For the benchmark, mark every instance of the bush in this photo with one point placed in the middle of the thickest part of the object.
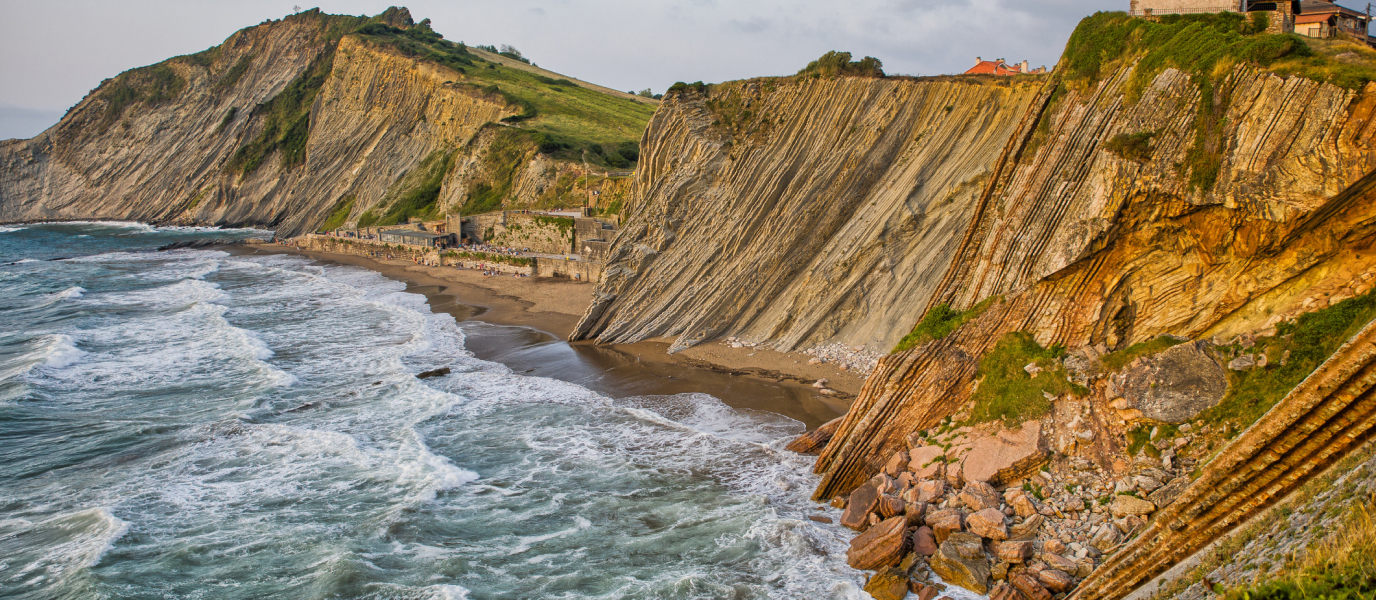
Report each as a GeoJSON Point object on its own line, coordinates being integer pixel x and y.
{"type": "Point", "coordinates": [839, 64]}
{"type": "Point", "coordinates": [1135, 147]}
{"type": "Point", "coordinates": [696, 87]}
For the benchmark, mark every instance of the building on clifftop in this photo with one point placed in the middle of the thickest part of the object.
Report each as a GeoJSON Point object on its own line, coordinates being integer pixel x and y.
{"type": "Point", "coordinates": [999, 67]}
{"type": "Point", "coordinates": [1312, 18]}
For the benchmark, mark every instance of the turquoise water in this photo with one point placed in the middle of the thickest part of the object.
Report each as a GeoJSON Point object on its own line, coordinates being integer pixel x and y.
{"type": "Point", "coordinates": [196, 424]}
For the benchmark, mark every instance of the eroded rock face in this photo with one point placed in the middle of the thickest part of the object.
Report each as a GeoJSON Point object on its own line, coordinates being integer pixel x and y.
{"type": "Point", "coordinates": [814, 441]}
{"type": "Point", "coordinates": [1175, 385]}
{"type": "Point", "coordinates": [829, 216]}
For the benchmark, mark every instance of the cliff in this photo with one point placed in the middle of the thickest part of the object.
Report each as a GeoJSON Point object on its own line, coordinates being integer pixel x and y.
{"type": "Point", "coordinates": [1147, 193]}
{"type": "Point", "coordinates": [313, 118]}
{"type": "Point", "coordinates": [796, 211]}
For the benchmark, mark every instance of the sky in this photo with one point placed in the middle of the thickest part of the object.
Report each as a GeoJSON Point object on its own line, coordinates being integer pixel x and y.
{"type": "Point", "coordinates": [53, 53]}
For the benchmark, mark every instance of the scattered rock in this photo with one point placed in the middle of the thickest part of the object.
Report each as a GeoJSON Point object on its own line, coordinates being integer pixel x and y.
{"type": "Point", "coordinates": [979, 495]}
{"type": "Point", "coordinates": [1175, 385]}
{"type": "Point", "coordinates": [931, 491]}
{"type": "Point", "coordinates": [1022, 502]}
{"type": "Point", "coordinates": [1032, 369]}
{"type": "Point", "coordinates": [862, 501]}
{"type": "Point", "coordinates": [820, 519]}
{"type": "Point", "coordinates": [924, 542]}
{"type": "Point", "coordinates": [1030, 587]}
{"type": "Point", "coordinates": [1004, 591]}
{"type": "Point", "coordinates": [441, 372]}
{"type": "Point", "coordinates": [1243, 363]}
{"type": "Point", "coordinates": [888, 584]}
{"type": "Point", "coordinates": [1055, 580]}
{"type": "Point", "coordinates": [987, 523]}
{"type": "Point", "coordinates": [1027, 529]}
{"type": "Point", "coordinates": [1056, 561]}
{"type": "Point", "coordinates": [897, 464]}
{"type": "Point", "coordinates": [1124, 505]}
{"type": "Point", "coordinates": [879, 546]}
{"type": "Point", "coordinates": [960, 561]}
{"type": "Point", "coordinates": [1004, 456]}
{"type": "Point", "coordinates": [1016, 552]}
{"type": "Point", "coordinates": [924, 461]}
{"type": "Point", "coordinates": [944, 522]}
{"type": "Point", "coordinates": [890, 506]}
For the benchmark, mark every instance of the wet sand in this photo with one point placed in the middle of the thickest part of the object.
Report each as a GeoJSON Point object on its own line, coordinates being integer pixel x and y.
{"type": "Point", "coordinates": [523, 323]}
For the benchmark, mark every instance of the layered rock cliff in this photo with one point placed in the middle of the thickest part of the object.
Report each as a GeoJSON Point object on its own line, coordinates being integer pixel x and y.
{"type": "Point", "coordinates": [796, 211]}
{"type": "Point", "coordinates": [294, 121]}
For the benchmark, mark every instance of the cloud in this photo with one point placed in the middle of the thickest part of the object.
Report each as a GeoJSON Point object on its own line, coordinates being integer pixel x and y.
{"type": "Point", "coordinates": [537, 10]}
{"type": "Point", "coordinates": [754, 25]}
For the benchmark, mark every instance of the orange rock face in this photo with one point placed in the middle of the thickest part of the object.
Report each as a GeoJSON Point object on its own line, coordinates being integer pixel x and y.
{"type": "Point", "coordinates": [880, 546]}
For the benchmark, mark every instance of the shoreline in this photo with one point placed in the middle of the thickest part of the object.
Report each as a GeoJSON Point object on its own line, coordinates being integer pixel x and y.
{"type": "Point", "coordinates": [752, 378]}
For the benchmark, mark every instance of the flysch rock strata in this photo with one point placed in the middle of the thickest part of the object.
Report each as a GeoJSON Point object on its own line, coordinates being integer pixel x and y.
{"type": "Point", "coordinates": [1088, 249]}
{"type": "Point", "coordinates": [827, 216]}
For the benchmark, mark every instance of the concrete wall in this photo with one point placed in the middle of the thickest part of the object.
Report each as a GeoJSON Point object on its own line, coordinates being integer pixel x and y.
{"type": "Point", "coordinates": [569, 269]}
{"type": "Point", "coordinates": [1174, 7]}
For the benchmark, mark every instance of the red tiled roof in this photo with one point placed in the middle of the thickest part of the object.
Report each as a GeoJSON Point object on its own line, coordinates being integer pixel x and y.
{"type": "Point", "coordinates": [994, 67]}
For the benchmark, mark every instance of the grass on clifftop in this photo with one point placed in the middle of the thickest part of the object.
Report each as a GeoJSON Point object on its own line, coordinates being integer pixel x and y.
{"type": "Point", "coordinates": [561, 118]}
{"type": "Point", "coordinates": [1303, 345]}
{"type": "Point", "coordinates": [1007, 392]}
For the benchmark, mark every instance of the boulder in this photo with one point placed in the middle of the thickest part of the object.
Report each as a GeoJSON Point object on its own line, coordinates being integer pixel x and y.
{"type": "Point", "coordinates": [862, 501]}
{"type": "Point", "coordinates": [1027, 529]}
{"type": "Point", "coordinates": [924, 461]}
{"type": "Point", "coordinates": [890, 506]}
{"type": "Point", "coordinates": [979, 495]}
{"type": "Point", "coordinates": [1056, 580]}
{"type": "Point", "coordinates": [914, 511]}
{"type": "Point", "coordinates": [926, 592]}
{"type": "Point", "coordinates": [931, 491]}
{"type": "Point", "coordinates": [1175, 385]}
{"type": "Point", "coordinates": [960, 561]}
{"type": "Point", "coordinates": [897, 464]}
{"type": "Point", "coordinates": [1030, 587]}
{"type": "Point", "coordinates": [813, 442]}
{"type": "Point", "coordinates": [1107, 538]}
{"type": "Point", "coordinates": [1243, 363]}
{"type": "Point", "coordinates": [1056, 561]}
{"type": "Point", "coordinates": [1004, 456]}
{"type": "Point", "coordinates": [954, 475]}
{"type": "Point", "coordinates": [987, 523]}
{"type": "Point", "coordinates": [1023, 504]}
{"type": "Point", "coordinates": [1014, 551]}
{"type": "Point", "coordinates": [924, 542]}
{"type": "Point", "coordinates": [879, 546]}
{"type": "Point", "coordinates": [888, 584]}
{"type": "Point", "coordinates": [1004, 591]}
{"type": "Point", "coordinates": [820, 519]}
{"type": "Point", "coordinates": [1169, 492]}
{"type": "Point", "coordinates": [1124, 505]}
{"type": "Point", "coordinates": [944, 522]}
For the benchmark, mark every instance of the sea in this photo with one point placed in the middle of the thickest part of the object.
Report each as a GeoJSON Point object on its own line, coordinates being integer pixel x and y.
{"type": "Point", "coordinates": [205, 423]}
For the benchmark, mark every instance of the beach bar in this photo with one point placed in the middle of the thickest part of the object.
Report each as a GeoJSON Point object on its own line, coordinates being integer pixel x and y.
{"type": "Point", "coordinates": [418, 238]}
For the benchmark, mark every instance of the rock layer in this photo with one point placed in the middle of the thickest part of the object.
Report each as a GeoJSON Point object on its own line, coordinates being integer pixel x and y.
{"type": "Point", "coordinates": [799, 211]}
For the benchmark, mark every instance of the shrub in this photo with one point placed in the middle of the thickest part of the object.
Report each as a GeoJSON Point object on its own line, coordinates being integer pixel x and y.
{"type": "Point", "coordinates": [340, 214]}
{"type": "Point", "coordinates": [1135, 147]}
{"type": "Point", "coordinates": [229, 118]}
{"type": "Point", "coordinates": [234, 74]}
{"type": "Point", "coordinates": [696, 87]}
{"type": "Point", "coordinates": [839, 64]}
{"type": "Point", "coordinates": [286, 126]}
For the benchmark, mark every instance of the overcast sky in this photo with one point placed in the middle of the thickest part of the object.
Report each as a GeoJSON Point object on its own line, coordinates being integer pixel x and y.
{"type": "Point", "coordinates": [52, 53]}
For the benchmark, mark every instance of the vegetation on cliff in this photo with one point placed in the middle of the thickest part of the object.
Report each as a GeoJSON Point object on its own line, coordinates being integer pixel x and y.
{"type": "Point", "coordinates": [1297, 348]}
{"type": "Point", "coordinates": [155, 84]}
{"type": "Point", "coordinates": [557, 116]}
{"type": "Point", "coordinates": [1342, 567]}
{"type": "Point", "coordinates": [939, 322]}
{"type": "Point", "coordinates": [1008, 392]}
{"type": "Point", "coordinates": [839, 64]}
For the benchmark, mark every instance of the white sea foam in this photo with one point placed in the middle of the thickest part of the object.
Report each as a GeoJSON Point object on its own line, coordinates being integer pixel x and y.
{"type": "Point", "coordinates": [61, 352]}
{"type": "Point", "coordinates": [8, 229]}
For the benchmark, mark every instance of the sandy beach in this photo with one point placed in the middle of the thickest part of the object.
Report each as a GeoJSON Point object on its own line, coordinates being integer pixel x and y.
{"type": "Point", "coordinates": [753, 378]}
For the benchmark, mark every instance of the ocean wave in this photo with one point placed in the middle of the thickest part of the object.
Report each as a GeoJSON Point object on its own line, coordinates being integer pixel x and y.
{"type": "Point", "coordinates": [69, 542]}
{"type": "Point", "coordinates": [5, 229]}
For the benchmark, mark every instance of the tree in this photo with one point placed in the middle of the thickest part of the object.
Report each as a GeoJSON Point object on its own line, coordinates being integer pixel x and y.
{"type": "Point", "coordinates": [646, 93]}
